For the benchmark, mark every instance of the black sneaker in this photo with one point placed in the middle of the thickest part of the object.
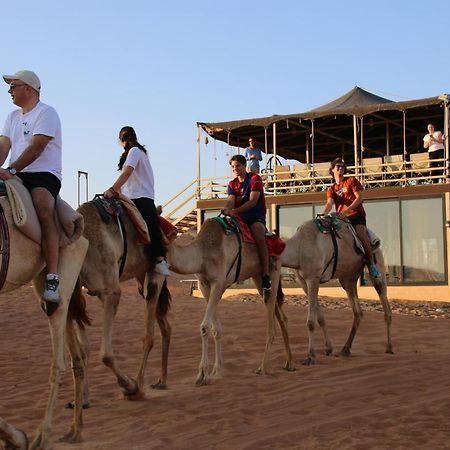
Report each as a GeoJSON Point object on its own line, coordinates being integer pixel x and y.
{"type": "Point", "coordinates": [266, 284]}
{"type": "Point", "coordinates": [51, 292]}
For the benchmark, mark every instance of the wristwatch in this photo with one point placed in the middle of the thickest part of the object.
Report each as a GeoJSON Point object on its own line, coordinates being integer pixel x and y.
{"type": "Point", "coordinates": [11, 170]}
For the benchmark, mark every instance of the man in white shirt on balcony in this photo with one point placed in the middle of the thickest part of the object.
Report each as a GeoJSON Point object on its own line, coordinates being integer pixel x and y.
{"type": "Point", "coordinates": [434, 142]}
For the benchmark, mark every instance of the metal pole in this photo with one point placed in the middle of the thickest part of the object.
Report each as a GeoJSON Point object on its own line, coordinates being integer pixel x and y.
{"type": "Point", "coordinates": [274, 141]}
{"type": "Point", "coordinates": [198, 163]}
{"type": "Point", "coordinates": [355, 144]}
{"type": "Point", "coordinates": [85, 175]}
{"type": "Point", "coordinates": [446, 141]}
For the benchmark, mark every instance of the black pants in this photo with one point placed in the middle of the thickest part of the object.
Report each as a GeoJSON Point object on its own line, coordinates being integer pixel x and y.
{"type": "Point", "coordinates": [146, 207]}
{"type": "Point", "coordinates": [437, 154]}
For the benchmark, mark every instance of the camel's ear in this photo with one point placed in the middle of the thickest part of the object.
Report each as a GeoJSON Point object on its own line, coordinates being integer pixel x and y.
{"type": "Point", "coordinates": [159, 210]}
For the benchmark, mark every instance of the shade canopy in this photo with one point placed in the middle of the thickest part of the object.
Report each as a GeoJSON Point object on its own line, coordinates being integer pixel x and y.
{"type": "Point", "coordinates": [383, 127]}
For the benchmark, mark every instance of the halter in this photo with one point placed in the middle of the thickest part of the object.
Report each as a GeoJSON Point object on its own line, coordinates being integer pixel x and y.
{"type": "Point", "coordinates": [4, 247]}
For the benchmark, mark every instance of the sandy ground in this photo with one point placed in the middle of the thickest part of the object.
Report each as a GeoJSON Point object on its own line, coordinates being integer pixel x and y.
{"type": "Point", "coordinates": [371, 400]}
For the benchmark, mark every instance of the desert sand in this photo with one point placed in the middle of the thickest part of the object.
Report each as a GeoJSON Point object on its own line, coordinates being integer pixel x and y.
{"type": "Point", "coordinates": [371, 400]}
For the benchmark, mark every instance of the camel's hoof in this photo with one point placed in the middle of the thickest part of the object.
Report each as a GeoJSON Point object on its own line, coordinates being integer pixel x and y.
{"type": "Point", "coordinates": [159, 385]}
{"type": "Point", "coordinates": [260, 371]}
{"type": "Point", "coordinates": [135, 396]}
{"type": "Point", "coordinates": [308, 361]}
{"type": "Point", "coordinates": [71, 438]}
{"type": "Point", "coordinates": [289, 367]}
{"type": "Point", "coordinates": [345, 352]}
{"type": "Point", "coordinates": [71, 405]}
{"type": "Point", "coordinates": [390, 351]}
{"type": "Point", "coordinates": [329, 352]}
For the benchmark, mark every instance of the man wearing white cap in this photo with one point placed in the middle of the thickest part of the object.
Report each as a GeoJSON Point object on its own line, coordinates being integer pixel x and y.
{"type": "Point", "coordinates": [33, 136]}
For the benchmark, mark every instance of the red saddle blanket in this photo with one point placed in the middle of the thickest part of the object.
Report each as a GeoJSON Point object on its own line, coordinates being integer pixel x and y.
{"type": "Point", "coordinates": [275, 244]}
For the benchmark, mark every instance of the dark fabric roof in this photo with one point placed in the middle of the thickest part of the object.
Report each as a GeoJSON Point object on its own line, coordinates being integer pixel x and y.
{"type": "Point", "coordinates": [333, 126]}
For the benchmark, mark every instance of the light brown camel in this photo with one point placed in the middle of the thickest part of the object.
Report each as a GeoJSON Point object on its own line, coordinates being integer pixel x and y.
{"type": "Point", "coordinates": [100, 275]}
{"type": "Point", "coordinates": [212, 256]}
{"type": "Point", "coordinates": [311, 252]}
{"type": "Point", "coordinates": [26, 264]}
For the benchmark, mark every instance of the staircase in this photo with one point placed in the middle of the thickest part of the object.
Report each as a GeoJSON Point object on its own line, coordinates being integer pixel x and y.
{"type": "Point", "coordinates": [186, 222]}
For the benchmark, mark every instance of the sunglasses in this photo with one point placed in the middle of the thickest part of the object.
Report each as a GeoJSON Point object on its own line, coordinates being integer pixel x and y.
{"type": "Point", "coordinates": [13, 86]}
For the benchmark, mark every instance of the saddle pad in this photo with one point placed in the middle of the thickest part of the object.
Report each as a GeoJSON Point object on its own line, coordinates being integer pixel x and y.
{"type": "Point", "coordinates": [327, 224]}
{"type": "Point", "coordinates": [373, 238]}
{"type": "Point", "coordinates": [70, 223]}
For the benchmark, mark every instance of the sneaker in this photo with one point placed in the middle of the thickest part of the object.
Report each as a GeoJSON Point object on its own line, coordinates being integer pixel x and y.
{"type": "Point", "coordinates": [162, 267]}
{"type": "Point", "coordinates": [51, 292]}
{"type": "Point", "coordinates": [266, 284]}
{"type": "Point", "coordinates": [374, 271]}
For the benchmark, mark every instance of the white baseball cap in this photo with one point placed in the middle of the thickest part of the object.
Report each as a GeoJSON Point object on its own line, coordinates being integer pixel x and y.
{"type": "Point", "coordinates": [27, 76]}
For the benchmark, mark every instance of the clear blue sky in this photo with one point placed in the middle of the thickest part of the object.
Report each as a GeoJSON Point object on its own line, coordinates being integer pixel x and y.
{"type": "Point", "coordinates": [163, 66]}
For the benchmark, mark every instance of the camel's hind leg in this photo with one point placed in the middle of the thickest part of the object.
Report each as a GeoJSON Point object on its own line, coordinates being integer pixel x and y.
{"type": "Point", "coordinates": [283, 322]}
{"type": "Point", "coordinates": [352, 295]}
{"type": "Point", "coordinates": [152, 289]}
{"type": "Point", "coordinates": [269, 298]}
{"type": "Point", "coordinates": [212, 294]}
{"type": "Point", "coordinates": [381, 288]}
{"type": "Point", "coordinates": [79, 357]}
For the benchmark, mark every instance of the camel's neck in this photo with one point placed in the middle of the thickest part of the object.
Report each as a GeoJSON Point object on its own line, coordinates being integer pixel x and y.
{"type": "Point", "coordinates": [185, 258]}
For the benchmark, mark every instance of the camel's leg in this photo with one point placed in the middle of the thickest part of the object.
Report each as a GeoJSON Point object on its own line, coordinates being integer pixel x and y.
{"type": "Point", "coordinates": [110, 302]}
{"type": "Point", "coordinates": [381, 288]}
{"type": "Point", "coordinates": [216, 329]}
{"type": "Point", "coordinates": [314, 313]}
{"type": "Point", "coordinates": [212, 293]}
{"type": "Point", "coordinates": [78, 356]}
{"type": "Point", "coordinates": [352, 295]}
{"type": "Point", "coordinates": [283, 321]}
{"type": "Point", "coordinates": [69, 265]}
{"type": "Point", "coordinates": [152, 290]}
{"type": "Point", "coordinates": [166, 332]}
{"type": "Point", "coordinates": [270, 301]}
{"type": "Point", "coordinates": [320, 320]}
{"type": "Point", "coordinates": [14, 439]}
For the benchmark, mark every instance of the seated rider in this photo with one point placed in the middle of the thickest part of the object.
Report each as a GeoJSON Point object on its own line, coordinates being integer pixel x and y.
{"type": "Point", "coordinates": [346, 194]}
{"type": "Point", "coordinates": [246, 200]}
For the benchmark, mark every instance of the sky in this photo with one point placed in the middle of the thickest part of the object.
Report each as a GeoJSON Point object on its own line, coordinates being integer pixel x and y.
{"type": "Point", "coordinates": [163, 66]}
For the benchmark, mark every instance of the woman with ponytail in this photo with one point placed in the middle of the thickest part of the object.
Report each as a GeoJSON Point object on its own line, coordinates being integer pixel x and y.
{"type": "Point", "coordinates": [136, 181]}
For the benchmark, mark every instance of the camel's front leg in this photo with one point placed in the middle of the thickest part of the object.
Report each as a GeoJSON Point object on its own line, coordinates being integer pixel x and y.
{"type": "Point", "coordinates": [212, 293]}
{"type": "Point", "coordinates": [352, 295]}
{"type": "Point", "coordinates": [14, 439]}
{"type": "Point", "coordinates": [216, 371]}
{"type": "Point", "coordinates": [70, 260]}
{"type": "Point", "coordinates": [110, 304]}
{"type": "Point", "coordinates": [312, 287]}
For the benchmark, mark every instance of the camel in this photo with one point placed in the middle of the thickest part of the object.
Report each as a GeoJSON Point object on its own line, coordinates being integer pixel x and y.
{"type": "Point", "coordinates": [212, 256]}
{"type": "Point", "coordinates": [26, 264]}
{"type": "Point", "coordinates": [310, 253]}
{"type": "Point", "coordinates": [100, 276]}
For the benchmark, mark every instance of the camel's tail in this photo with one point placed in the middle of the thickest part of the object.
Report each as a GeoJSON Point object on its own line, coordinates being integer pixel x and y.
{"type": "Point", "coordinates": [164, 300]}
{"type": "Point", "coordinates": [77, 307]}
{"type": "Point", "coordinates": [280, 294]}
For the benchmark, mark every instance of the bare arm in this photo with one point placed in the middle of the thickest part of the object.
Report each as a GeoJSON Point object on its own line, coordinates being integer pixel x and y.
{"type": "Point", "coordinates": [32, 152]}
{"type": "Point", "coordinates": [328, 207]}
{"type": "Point", "coordinates": [5, 145]}
{"type": "Point", "coordinates": [123, 177]}
{"type": "Point", "coordinates": [358, 200]}
{"type": "Point", "coordinates": [251, 203]}
{"type": "Point", "coordinates": [231, 201]}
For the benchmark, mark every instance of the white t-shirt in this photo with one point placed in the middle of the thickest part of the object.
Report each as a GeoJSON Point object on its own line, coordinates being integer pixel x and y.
{"type": "Point", "coordinates": [436, 146]}
{"type": "Point", "coordinates": [20, 128]}
{"type": "Point", "coordinates": [141, 181]}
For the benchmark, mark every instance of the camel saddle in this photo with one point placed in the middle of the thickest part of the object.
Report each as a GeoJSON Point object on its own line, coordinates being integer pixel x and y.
{"type": "Point", "coordinates": [235, 225]}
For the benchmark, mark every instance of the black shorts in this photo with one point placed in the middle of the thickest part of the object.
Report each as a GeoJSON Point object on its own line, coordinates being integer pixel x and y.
{"type": "Point", "coordinates": [250, 222]}
{"type": "Point", "coordinates": [44, 180]}
{"type": "Point", "coordinates": [357, 219]}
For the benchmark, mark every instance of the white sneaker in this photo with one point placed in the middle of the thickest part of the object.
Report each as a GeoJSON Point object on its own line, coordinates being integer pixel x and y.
{"type": "Point", "coordinates": [51, 292]}
{"type": "Point", "coordinates": [162, 267]}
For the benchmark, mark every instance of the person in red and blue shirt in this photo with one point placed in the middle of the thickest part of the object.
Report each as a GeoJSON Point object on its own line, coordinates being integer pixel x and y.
{"type": "Point", "coordinates": [246, 200]}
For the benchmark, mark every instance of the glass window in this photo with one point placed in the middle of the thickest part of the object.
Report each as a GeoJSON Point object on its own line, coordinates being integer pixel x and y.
{"type": "Point", "coordinates": [210, 213]}
{"type": "Point", "coordinates": [291, 217]}
{"type": "Point", "coordinates": [423, 240]}
{"type": "Point", "coordinates": [383, 218]}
